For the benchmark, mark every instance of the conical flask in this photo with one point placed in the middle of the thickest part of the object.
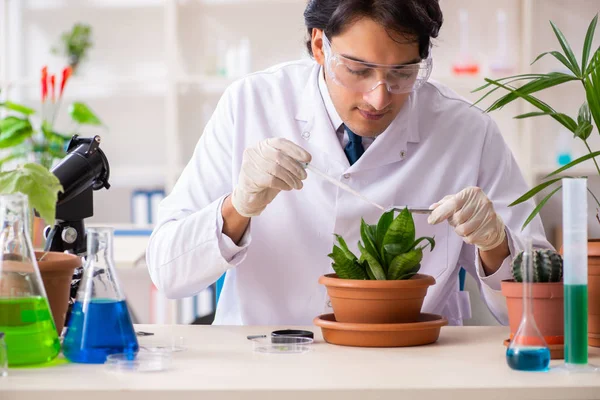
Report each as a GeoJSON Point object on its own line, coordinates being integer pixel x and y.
{"type": "Point", "coordinates": [25, 315]}
{"type": "Point", "coordinates": [100, 323]}
{"type": "Point", "coordinates": [528, 350]}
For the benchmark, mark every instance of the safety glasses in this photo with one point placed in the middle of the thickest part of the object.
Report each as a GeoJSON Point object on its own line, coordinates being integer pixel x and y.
{"type": "Point", "coordinates": [364, 77]}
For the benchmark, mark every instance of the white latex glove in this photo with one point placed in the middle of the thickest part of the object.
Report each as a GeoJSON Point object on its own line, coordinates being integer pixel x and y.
{"type": "Point", "coordinates": [472, 215]}
{"type": "Point", "coordinates": [270, 167]}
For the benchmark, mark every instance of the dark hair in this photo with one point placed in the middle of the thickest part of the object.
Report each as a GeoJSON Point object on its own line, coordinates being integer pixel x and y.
{"type": "Point", "coordinates": [420, 18]}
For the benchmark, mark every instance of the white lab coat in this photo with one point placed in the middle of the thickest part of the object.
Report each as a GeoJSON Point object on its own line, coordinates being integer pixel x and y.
{"type": "Point", "coordinates": [437, 145]}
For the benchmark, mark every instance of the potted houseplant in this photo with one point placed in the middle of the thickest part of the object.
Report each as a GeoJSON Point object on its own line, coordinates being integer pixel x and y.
{"type": "Point", "coordinates": [546, 297]}
{"type": "Point", "coordinates": [29, 136]}
{"type": "Point", "coordinates": [34, 145]}
{"type": "Point", "coordinates": [383, 284]}
{"type": "Point", "coordinates": [75, 44]}
{"type": "Point", "coordinates": [56, 269]}
{"type": "Point", "coordinates": [587, 73]}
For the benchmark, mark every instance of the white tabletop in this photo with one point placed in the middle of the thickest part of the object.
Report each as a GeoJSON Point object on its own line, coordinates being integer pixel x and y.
{"type": "Point", "coordinates": [219, 363]}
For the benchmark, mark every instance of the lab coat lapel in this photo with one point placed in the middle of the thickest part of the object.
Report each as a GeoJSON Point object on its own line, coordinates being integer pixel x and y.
{"type": "Point", "coordinates": [391, 146]}
{"type": "Point", "coordinates": [317, 129]}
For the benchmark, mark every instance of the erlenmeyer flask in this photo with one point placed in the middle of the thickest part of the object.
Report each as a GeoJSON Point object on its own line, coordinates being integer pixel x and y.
{"type": "Point", "coordinates": [25, 316]}
{"type": "Point", "coordinates": [100, 324]}
{"type": "Point", "coordinates": [528, 350]}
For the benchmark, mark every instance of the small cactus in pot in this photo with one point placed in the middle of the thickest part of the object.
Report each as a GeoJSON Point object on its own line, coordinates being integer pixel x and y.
{"type": "Point", "coordinates": [546, 297]}
{"type": "Point", "coordinates": [547, 266]}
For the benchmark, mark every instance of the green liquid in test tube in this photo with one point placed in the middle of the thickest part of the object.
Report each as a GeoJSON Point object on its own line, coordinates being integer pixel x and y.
{"type": "Point", "coordinates": [575, 275]}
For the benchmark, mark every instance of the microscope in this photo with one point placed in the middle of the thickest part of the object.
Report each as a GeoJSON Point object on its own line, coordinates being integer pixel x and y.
{"type": "Point", "coordinates": [84, 170]}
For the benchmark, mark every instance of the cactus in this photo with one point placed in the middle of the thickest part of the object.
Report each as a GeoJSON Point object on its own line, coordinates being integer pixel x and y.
{"type": "Point", "coordinates": [547, 266]}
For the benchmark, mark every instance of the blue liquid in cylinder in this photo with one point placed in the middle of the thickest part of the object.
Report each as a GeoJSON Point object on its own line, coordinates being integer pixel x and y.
{"type": "Point", "coordinates": [104, 328]}
{"type": "Point", "coordinates": [528, 359]}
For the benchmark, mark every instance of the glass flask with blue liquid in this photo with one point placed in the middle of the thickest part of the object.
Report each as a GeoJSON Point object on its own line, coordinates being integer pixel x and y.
{"type": "Point", "coordinates": [528, 350]}
{"type": "Point", "coordinates": [100, 323]}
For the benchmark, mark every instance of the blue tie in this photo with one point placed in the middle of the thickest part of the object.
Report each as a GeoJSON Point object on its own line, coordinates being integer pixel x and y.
{"type": "Point", "coordinates": [354, 149]}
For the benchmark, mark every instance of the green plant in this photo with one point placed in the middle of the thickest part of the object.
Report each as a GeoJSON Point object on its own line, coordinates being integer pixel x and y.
{"type": "Point", "coordinates": [75, 44]}
{"type": "Point", "coordinates": [547, 266]}
{"type": "Point", "coordinates": [25, 138]}
{"type": "Point", "coordinates": [388, 251]}
{"type": "Point", "coordinates": [588, 74]}
{"type": "Point", "coordinates": [36, 182]}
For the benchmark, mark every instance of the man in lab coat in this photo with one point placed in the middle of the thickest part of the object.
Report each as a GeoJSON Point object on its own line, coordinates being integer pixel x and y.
{"type": "Point", "coordinates": [363, 111]}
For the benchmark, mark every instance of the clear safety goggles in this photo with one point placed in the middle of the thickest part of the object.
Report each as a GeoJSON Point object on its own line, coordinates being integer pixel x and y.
{"type": "Point", "coordinates": [365, 77]}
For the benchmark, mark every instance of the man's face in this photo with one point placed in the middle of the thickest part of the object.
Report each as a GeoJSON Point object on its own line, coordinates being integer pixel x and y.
{"type": "Point", "coordinates": [367, 114]}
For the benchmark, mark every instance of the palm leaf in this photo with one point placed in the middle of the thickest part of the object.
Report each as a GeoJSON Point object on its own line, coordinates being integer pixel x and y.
{"type": "Point", "coordinates": [560, 57]}
{"type": "Point", "coordinates": [537, 209]}
{"type": "Point", "coordinates": [572, 125]}
{"type": "Point", "coordinates": [534, 191]}
{"type": "Point", "coordinates": [567, 49]}
{"type": "Point", "coordinates": [587, 44]}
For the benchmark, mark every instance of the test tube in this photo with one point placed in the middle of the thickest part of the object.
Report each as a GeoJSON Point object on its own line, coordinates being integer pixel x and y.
{"type": "Point", "coordinates": [575, 271]}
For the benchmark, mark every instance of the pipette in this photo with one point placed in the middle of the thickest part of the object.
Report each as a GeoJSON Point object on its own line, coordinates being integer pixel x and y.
{"type": "Point", "coordinates": [414, 210]}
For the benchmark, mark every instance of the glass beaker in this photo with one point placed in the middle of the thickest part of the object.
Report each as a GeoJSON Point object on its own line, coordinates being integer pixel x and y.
{"type": "Point", "coordinates": [25, 315]}
{"type": "Point", "coordinates": [528, 350]}
{"type": "Point", "coordinates": [100, 323]}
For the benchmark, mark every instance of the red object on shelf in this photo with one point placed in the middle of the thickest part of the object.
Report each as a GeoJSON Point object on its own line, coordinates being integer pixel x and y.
{"type": "Point", "coordinates": [44, 83]}
{"type": "Point", "coordinates": [469, 69]}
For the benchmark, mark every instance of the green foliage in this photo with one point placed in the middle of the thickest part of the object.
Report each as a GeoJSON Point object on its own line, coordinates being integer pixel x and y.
{"type": "Point", "coordinates": [38, 184]}
{"type": "Point", "coordinates": [388, 251]}
{"type": "Point", "coordinates": [587, 73]}
{"type": "Point", "coordinates": [547, 266]}
{"type": "Point", "coordinates": [75, 44]}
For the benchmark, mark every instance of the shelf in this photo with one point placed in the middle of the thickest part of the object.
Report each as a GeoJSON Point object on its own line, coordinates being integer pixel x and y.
{"type": "Point", "coordinates": [59, 5]}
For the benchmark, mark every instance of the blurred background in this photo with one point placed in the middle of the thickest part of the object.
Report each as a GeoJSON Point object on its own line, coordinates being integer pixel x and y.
{"type": "Point", "coordinates": [152, 72]}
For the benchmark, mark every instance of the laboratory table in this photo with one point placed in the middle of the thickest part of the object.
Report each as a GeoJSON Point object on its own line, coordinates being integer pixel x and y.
{"type": "Point", "coordinates": [219, 362]}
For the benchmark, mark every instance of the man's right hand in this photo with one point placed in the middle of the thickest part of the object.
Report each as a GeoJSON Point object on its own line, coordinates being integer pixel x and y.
{"type": "Point", "coordinates": [270, 167]}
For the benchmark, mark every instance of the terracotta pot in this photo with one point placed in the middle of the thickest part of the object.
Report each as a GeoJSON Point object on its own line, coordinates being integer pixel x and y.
{"type": "Point", "coordinates": [594, 292]}
{"type": "Point", "coordinates": [548, 306]}
{"type": "Point", "coordinates": [377, 302]}
{"type": "Point", "coordinates": [57, 271]}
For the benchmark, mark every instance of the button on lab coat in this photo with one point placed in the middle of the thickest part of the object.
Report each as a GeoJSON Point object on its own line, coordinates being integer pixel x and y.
{"type": "Point", "coordinates": [437, 145]}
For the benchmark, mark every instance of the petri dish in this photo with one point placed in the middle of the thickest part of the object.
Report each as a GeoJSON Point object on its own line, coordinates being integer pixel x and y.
{"type": "Point", "coordinates": [282, 344]}
{"type": "Point", "coordinates": [142, 361]}
{"type": "Point", "coordinates": [173, 344]}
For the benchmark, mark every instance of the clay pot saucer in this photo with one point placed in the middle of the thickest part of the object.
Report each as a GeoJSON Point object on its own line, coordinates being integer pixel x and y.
{"type": "Point", "coordinates": [425, 331]}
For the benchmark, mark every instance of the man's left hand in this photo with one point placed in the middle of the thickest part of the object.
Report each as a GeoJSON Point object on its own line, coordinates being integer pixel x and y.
{"type": "Point", "coordinates": [472, 215]}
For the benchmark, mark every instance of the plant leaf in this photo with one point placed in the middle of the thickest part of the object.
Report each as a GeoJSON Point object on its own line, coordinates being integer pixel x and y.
{"type": "Point", "coordinates": [560, 57]}
{"type": "Point", "coordinates": [36, 182]}
{"type": "Point", "coordinates": [572, 125]}
{"type": "Point", "coordinates": [587, 44]}
{"type": "Point", "coordinates": [383, 225]}
{"type": "Point", "coordinates": [567, 49]}
{"type": "Point", "coordinates": [54, 137]}
{"type": "Point", "coordinates": [592, 89]}
{"type": "Point", "coordinates": [534, 191]}
{"type": "Point", "coordinates": [82, 114]}
{"type": "Point", "coordinates": [419, 240]}
{"type": "Point", "coordinates": [344, 267]}
{"type": "Point", "coordinates": [344, 247]}
{"type": "Point", "coordinates": [537, 209]}
{"type": "Point", "coordinates": [573, 163]}
{"type": "Point", "coordinates": [401, 231]}
{"type": "Point", "coordinates": [372, 264]}
{"type": "Point", "coordinates": [368, 239]}
{"type": "Point", "coordinates": [15, 155]}
{"type": "Point", "coordinates": [532, 100]}
{"type": "Point", "coordinates": [404, 263]}
{"type": "Point", "coordinates": [584, 131]}
{"type": "Point", "coordinates": [18, 108]}
{"type": "Point", "coordinates": [14, 131]}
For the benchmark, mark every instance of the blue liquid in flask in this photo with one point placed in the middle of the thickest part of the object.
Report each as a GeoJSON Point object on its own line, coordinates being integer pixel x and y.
{"type": "Point", "coordinates": [528, 358]}
{"type": "Point", "coordinates": [104, 328]}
